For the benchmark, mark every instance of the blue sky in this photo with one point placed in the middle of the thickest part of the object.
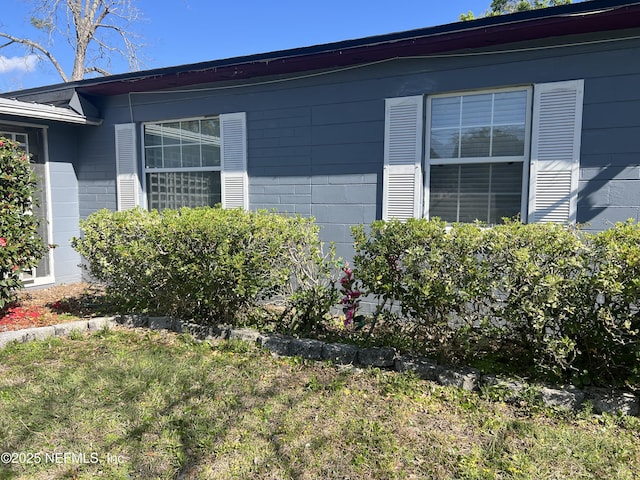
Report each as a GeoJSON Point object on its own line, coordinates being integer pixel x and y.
{"type": "Point", "coordinates": [178, 32]}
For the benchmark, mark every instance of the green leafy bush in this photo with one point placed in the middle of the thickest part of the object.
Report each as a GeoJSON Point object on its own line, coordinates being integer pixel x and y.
{"type": "Point", "coordinates": [122, 249]}
{"type": "Point", "coordinates": [608, 338]}
{"type": "Point", "coordinates": [547, 297]}
{"type": "Point", "coordinates": [426, 273]}
{"type": "Point", "coordinates": [537, 271]}
{"type": "Point", "coordinates": [20, 245]}
{"type": "Point", "coordinates": [207, 264]}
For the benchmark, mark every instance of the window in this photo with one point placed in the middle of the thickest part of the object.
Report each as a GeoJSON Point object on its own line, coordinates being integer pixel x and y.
{"type": "Point", "coordinates": [477, 148]}
{"type": "Point", "coordinates": [186, 163]}
{"type": "Point", "coordinates": [484, 155]}
{"type": "Point", "coordinates": [183, 163]}
{"type": "Point", "coordinates": [475, 191]}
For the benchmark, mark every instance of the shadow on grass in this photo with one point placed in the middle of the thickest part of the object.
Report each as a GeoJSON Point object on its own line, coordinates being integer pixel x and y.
{"type": "Point", "coordinates": [167, 412]}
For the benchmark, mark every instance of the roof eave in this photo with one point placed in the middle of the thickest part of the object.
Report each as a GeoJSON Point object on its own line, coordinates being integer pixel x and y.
{"type": "Point", "coordinates": [38, 111]}
{"type": "Point", "coordinates": [471, 36]}
{"type": "Point", "coordinates": [580, 18]}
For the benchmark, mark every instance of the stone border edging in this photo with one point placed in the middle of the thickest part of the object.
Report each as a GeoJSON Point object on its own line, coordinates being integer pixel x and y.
{"type": "Point", "coordinates": [60, 330]}
{"type": "Point", "coordinates": [603, 400]}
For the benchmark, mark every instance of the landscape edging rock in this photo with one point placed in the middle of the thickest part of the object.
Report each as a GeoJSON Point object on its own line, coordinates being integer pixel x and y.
{"type": "Point", "coordinates": [59, 330]}
{"type": "Point", "coordinates": [572, 398]}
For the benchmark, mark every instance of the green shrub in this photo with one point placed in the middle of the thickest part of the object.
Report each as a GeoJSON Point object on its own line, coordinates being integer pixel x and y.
{"type": "Point", "coordinates": [427, 273]}
{"type": "Point", "coordinates": [536, 272]}
{"type": "Point", "coordinates": [609, 336]}
{"type": "Point", "coordinates": [20, 245]}
{"type": "Point", "coordinates": [206, 264]}
{"type": "Point", "coordinates": [122, 250]}
{"type": "Point", "coordinates": [546, 297]}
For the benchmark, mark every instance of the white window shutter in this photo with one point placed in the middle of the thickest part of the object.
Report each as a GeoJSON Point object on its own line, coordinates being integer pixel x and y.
{"type": "Point", "coordinates": [555, 151]}
{"type": "Point", "coordinates": [403, 140]}
{"type": "Point", "coordinates": [127, 183]}
{"type": "Point", "coordinates": [235, 182]}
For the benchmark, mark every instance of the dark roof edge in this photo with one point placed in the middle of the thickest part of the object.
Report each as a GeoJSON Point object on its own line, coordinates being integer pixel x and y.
{"type": "Point", "coordinates": [480, 25]}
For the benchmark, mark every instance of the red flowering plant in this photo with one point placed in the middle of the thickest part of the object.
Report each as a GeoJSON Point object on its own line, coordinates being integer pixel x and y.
{"type": "Point", "coordinates": [20, 245]}
{"type": "Point", "coordinates": [351, 297]}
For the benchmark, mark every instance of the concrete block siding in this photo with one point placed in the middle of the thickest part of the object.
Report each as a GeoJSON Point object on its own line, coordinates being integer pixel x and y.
{"type": "Point", "coordinates": [65, 219]}
{"type": "Point", "coordinates": [336, 202]}
{"type": "Point", "coordinates": [609, 194]}
{"type": "Point", "coordinates": [323, 161]}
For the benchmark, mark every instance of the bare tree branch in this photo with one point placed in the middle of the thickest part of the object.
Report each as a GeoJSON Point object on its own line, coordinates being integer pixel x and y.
{"type": "Point", "coordinates": [97, 70]}
{"type": "Point", "coordinates": [35, 46]}
{"type": "Point", "coordinates": [96, 31]}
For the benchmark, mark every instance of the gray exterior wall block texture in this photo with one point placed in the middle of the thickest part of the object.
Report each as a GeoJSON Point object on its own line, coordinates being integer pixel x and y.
{"type": "Point", "coordinates": [631, 172]}
{"type": "Point", "coordinates": [64, 203]}
{"type": "Point", "coordinates": [316, 144]}
{"type": "Point", "coordinates": [623, 194]}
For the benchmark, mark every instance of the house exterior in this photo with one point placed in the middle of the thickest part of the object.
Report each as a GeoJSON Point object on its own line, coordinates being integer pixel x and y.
{"type": "Point", "coordinates": [533, 114]}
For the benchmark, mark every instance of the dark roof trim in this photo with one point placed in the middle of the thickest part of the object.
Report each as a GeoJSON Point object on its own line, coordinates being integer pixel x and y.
{"type": "Point", "coordinates": [578, 18]}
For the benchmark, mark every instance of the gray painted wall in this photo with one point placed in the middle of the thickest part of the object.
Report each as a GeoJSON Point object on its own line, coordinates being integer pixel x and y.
{"type": "Point", "coordinates": [63, 185]}
{"type": "Point", "coordinates": [316, 142]}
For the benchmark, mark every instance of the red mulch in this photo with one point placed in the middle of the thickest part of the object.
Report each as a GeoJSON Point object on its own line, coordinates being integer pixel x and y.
{"type": "Point", "coordinates": [51, 306]}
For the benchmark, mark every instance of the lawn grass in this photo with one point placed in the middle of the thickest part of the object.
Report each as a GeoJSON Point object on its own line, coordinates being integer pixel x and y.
{"type": "Point", "coordinates": [144, 404]}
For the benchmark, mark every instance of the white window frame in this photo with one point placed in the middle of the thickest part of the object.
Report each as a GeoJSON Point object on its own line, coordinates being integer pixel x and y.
{"type": "Point", "coordinates": [524, 159]}
{"type": "Point", "coordinates": [554, 154]}
{"type": "Point", "coordinates": [131, 190]}
{"type": "Point", "coordinates": [146, 170]}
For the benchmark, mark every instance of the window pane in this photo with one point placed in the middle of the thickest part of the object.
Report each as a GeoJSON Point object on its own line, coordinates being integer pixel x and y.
{"type": "Point", "coordinates": [443, 196]}
{"type": "Point", "coordinates": [475, 142]}
{"type": "Point", "coordinates": [183, 189]}
{"type": "Point", "coordinates": [476, 110]}
{"type": "Point", "coordinates": [445, 112]}
{"type": "Point", "coordinates": [444, 178]}
{"type": "Point", "coordinates": [444, 143]}
{"type": "Point", "coordinates": [510, 108]}
{"type": "Point", "coordinates": [504, 206]}
{"type": "Point", "coordinates": [190, 131]}
{"type": "Point", "coordinates": [152, 135]}
{"type": "Point", "coordinates": [172, 157]}
{"type": "Point", "coordinates": [474, 192]}
{"type": "Point", "coordinates": [468, 192]}
{"type": "Point", "coordinates": [475, 178]}
{"type": "Point", "coordinates": [153, 157]}
{"type": "Point", "coordinates": [171, 133]}
{"type": "Point", "coordinates": [21, 139]}
{"type": "Point", "coordinates": [508, 141]}
{"type": "Point", "coordinates": [506, 178]}
{"type": "Point", "coordinates": [473, 206]}
{"type": "Point", "coordinates": [191, 155]}
{"type": "Point", "coordinates": [211, 130]}
{"type": "Point", "coordinates": [210, 155]}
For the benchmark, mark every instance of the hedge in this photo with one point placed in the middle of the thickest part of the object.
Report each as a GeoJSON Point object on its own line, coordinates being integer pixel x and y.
{"type": "Point", "coordinates": [208, 264]}
{"type": "Point", "coordinates": [554, 298]}
{"type": "Point", "coordinates": [544, 298]}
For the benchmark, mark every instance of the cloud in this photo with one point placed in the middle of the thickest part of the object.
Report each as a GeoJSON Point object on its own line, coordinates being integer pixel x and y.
{"type": "Point", "coordinates": [18, 64]}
